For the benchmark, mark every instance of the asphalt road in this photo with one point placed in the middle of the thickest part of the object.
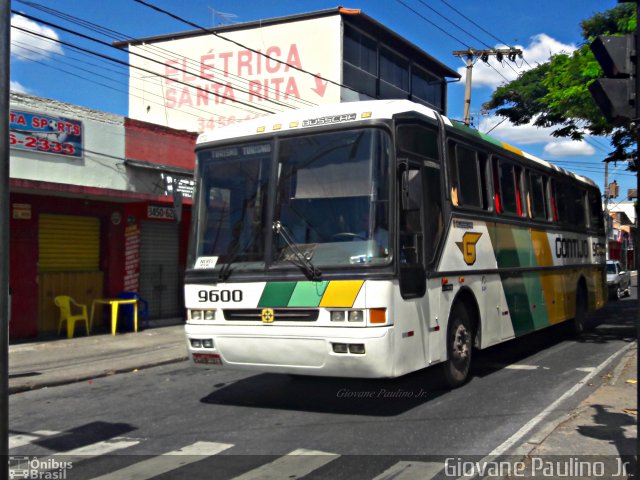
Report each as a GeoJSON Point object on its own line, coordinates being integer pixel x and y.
{"type": "Point", "coordinates": [119, 426]}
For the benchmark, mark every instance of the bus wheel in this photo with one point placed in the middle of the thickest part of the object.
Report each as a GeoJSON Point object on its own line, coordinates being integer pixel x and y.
{"type": "Point", "coordinates": [459, 347]}
{"type": "Point", "coordinates": [581, 312]}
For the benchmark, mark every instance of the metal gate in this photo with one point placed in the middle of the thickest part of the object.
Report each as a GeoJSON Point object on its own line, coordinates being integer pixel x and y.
{"type": "Point", "coordinates": [68, 264]}
{"type": "Point", "coordinates": [160, 276]}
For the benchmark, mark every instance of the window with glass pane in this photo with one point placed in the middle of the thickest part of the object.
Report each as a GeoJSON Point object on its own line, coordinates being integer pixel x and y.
{"type": "Point", "coordinates": [360, 50]}
{"type": "Point", "coordinates": [394, 69]}
{"type": "Point", "coordinates": [537, 198]}
{"type": "Point", "coordinates": [508, 188]}
{"type": "Point", "coordinates": [426, 87]}
{"type": "Point", "coordinates": [468, 177]}
{"type": "Point", "coordinates": [595, 210]}
{"type": "Point", "coordinates": [232, 199]}
{"type": "Point", "coordinates": [333, 196]}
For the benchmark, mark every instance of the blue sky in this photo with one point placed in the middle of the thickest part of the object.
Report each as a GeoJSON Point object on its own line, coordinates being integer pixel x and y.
{"type": "Point", "coordinates": [539, 28]}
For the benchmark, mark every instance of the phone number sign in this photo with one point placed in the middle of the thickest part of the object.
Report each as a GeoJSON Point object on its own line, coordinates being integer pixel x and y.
{"type": "Point", "coordinates": [34, 132]}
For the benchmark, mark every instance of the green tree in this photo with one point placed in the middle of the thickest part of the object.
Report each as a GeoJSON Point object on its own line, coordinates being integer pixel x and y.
{"type": "Point", "coordinates": [555, 94]}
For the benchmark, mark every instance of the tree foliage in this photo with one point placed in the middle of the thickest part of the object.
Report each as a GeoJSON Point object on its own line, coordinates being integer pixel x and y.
{"type": "Point", "coordinates": [555, 94]}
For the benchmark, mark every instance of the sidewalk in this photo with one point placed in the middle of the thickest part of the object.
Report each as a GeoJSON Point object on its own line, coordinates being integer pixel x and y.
{"type": "Point", "coordinates": [57, 362]}
{"type": "Point", "coordinates": [601, 432]}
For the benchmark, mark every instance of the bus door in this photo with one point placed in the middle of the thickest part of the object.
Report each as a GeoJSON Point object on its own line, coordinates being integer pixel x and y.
{"type": "Point", "coordinates": [420, 227]}
{"type": "Point", "coordinates": [420, 219]}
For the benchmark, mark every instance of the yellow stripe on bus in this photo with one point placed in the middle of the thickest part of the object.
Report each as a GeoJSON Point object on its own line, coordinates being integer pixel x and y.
{"type": "Point", "coordinates": [550, 284]}
{"type": "Point", "coordinates": [341, 293]}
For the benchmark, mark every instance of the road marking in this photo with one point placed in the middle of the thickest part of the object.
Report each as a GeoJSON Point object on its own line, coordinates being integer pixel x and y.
{"type": "Point", "coordinates": [516, 366]}
{"type": "Point", "coordinates": [295, 464]}
{"type": "Point", "coordinates": [586, 369]}
{"type": "Point", "coordinates": [100, 448]}
{"type": "Point", "coordinates": [20, 440]}
{"type": "Point", "coordinates": [167, 462]}
{"type": "Point", "coordinates": [411, 471]}
{"type": "Point", "coordinates": [527, 427]}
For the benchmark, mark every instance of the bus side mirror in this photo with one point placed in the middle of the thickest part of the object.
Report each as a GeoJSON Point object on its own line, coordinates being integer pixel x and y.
{"type": "Point", "coordinates": [413, 280]}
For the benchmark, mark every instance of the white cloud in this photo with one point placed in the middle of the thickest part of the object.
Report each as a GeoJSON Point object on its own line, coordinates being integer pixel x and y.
{"type": "Point", "coordinates": [531, 135]}
{"type": "Point", "coordinates": [510, 133]}
{"type": "Point", "coordinates": [539, 50]}
{"type": "Point", "coordinates": [18, 87]}
{"type": "Point", "coordinates": [569, 148]}
{"type": "Point", "coordinates": [28, 46]}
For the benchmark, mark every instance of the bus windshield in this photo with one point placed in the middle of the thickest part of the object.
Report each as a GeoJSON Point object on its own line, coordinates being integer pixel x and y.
{"type": "Point", "coordinates": [330, 201]}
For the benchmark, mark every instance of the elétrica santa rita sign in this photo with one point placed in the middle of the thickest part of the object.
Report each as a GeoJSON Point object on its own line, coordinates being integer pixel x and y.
{"type": "Point", "coordinates": [36, 132]}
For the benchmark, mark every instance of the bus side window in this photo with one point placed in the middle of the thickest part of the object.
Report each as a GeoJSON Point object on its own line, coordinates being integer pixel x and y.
{"type": "Point", "coordinates": [554, 206]}
{"type": "Point", "coordinates": [508, 188]}
{"type": "Point", "coordinates": [580, 207]}
{"type": "Point", "coordinates": [411, 230]}
{"type": "Point", "coordinates": [433, 206]}
{"type": "Point", "coordinates": [596, 220]}
{"type": "Point", "coordinates": [467, 169]}
{"type": "Point", "coordinates": [536, 197]}
{"type": "Point", "coordinates": [497, 203]}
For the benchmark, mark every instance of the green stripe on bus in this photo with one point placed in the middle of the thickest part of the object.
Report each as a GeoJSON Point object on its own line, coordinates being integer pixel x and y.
{"type": "Point", "coordinates": [527, 305]}
{"type": "Point", "coordinates": [512, 246]}
{"type": "Point", "coordinates": [518, 300]}
{"type": "Point", "coordinates": [276, 294]}
{"type": "Point", "coordinates": [307, 294]}
{"type": "Point", "coordinates": [537, 304]}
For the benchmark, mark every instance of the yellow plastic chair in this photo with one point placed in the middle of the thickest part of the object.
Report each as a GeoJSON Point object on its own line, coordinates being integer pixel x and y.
{"type": "Point", "coordinates": [64, 303]}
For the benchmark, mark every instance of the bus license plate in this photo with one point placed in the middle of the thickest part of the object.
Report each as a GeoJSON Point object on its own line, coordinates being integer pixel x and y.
{"type": "Point", "coordinates": [207, 358]}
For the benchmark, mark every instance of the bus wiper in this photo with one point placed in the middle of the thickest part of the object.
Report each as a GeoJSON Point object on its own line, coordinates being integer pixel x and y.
{"type": "Point", "coordinates": [225, 270]}
{"type": "Point", "coordinates": [311, 271]}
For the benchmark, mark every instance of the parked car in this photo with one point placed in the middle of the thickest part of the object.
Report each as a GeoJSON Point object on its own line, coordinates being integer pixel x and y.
{"type": "Point", "coordinates": [618, 280]}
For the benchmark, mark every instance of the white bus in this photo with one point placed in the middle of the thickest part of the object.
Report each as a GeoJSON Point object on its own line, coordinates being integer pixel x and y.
{"type": "Point", "coordinates": [372, 239]}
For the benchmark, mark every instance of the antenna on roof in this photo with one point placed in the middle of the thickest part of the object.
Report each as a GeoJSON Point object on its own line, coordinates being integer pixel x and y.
{"type": "Point", "coordinates": [229, 17]}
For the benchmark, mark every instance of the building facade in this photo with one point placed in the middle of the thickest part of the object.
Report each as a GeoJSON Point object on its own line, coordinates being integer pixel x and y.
{"type": "Point", "coordinates": [206, 79]}
{"type": "Point", "coordinates": [99, 204]}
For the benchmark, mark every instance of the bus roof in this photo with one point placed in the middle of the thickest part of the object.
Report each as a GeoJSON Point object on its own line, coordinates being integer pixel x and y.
{"type": "Point", "coordinates": [356, 111]}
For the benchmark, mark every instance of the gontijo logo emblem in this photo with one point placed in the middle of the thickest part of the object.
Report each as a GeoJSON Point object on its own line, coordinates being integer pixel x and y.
{"type": "Point", "coordinates": [468, 247]}
{"type": "Point", "coordinates": [267, 315]}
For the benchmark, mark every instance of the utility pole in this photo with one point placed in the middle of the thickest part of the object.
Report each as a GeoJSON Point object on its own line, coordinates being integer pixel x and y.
{"type": "Point", "coordinates": [470, 55]}
{"type": "Point", "coordinates": [5, 41]}
{"type": "Point", "coordinates": [607, 219]}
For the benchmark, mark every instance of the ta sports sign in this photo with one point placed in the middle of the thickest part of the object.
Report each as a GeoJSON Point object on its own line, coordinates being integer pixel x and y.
{"type": "Point", "coordinates": [34, 132]}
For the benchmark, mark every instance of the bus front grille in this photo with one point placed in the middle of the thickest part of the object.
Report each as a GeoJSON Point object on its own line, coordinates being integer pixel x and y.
{"type": "Point", "coordinates": [279, 315]}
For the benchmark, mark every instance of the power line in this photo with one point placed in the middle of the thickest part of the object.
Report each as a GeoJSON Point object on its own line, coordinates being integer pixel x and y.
{"type": "Point", "coordinates": [258, 52]}
{"type": "Point", "coordinates": [161, 52]}
{"type": "Point", "coordinates": [121, 62]}
{"type": "Point", "coordinates": [70, 65]}
{"type": "Point", "coordinates": [93, 39]}
{"type": "Point", "coordinates": [428, 21]}
{"type": "Point", "coordinates": [480, 27]}
{"type": "Point", "coordinates": [453, 23]}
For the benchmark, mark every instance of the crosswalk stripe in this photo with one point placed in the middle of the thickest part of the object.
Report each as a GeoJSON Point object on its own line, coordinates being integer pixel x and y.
{"type": "Point", "coordinates": [295, 464]}
{"type": "Point", "coordinates": [167, 462]}
{"type": "Point", "coordinates": [20, 440]}
{"type": "Point", "coordinates": [411, 471]}
{"type": "Point", "coordinates": [100, 448]}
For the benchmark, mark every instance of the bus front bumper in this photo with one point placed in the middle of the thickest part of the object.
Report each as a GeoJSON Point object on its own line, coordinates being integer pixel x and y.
{"type": "Point", "coordinates": [319, 351]}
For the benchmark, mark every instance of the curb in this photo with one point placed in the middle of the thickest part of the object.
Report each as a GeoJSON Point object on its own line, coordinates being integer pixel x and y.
{"type": "Point", "coordinates": [81, 378]}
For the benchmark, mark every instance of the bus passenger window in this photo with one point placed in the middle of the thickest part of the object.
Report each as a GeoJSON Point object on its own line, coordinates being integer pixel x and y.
{"type": "Point", "coordinates": [497, 203]}
{"type": "Point", "coordinates": [508, 188]}
{"type": "Point", "coordinates": [467, 177]}
{"type": "Point", "coordinates": [536, 197]}
{"type": "Point", "coordinates": [596, 220]}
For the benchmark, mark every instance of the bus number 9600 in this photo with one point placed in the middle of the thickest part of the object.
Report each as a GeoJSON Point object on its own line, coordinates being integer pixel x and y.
{"type": "Point", "coordinates": [220, 295]}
